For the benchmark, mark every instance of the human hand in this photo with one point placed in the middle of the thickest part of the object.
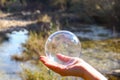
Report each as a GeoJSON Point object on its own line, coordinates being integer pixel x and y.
{"type": "Point", "coordinates": [73, 67]}
{"type": "Point", "coordinates": [69, 69]}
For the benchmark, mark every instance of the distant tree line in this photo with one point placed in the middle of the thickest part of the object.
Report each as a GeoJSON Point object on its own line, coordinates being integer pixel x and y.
{"type": "Point", "coordinates": [107, 11]}
{"type": "Point", "coordinates": [71, 5]}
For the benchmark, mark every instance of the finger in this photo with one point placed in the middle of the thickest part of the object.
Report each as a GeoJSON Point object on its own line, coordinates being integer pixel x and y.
{"type": "Point", "coordinates": [52, 65]}
{"type": "Point", "coordinates": [63, 58]}
{"type": "Point", "coordinates": [43, 59]}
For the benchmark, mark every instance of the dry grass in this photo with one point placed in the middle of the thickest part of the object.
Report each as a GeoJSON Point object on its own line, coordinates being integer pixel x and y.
{"type": "Point", "coordinates": [105, 45]}
{"type": "Point", "coordinates": [43, 74]}
{"type": "Point", "coordinates": [45, 18]}
{"type": "Point", "coordinates": [35, 47]}
{"type": "Point", "coordinates": [5, 24]}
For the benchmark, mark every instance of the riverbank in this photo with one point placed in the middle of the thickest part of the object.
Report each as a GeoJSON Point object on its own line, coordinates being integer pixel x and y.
{"type": "Point", "coordinates": [97, 48]}
{"type": "Point", "coordinates": [104, 52]}
{"type": "Point", "coordinates": [31, 21]}
{"type": "Point", "coordinates": [12, 21]}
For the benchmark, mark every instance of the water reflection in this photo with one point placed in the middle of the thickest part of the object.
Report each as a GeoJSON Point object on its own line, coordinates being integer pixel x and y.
{"type": "Point", "coordinates": [93, 32]}
{"type": "Point", "coordinates": [103, 61]}
{"type": "Point", "coordinates": [8, 67]}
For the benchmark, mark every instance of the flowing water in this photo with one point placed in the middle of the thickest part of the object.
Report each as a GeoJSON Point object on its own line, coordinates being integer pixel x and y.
{"type": "Point", "coordinates": [94, 32]}
{"type": "Point", "coordinates": [8, 67]}
{"type": "Point", "coordinates": [103, 61]}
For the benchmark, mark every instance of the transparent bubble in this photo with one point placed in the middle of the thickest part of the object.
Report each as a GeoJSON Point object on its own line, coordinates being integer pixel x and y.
{"type": "Point", "coordinates": [63, 42]}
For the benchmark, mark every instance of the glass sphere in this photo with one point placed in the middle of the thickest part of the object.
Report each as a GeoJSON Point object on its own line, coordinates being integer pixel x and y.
{"type": "Point", "coordinates": [63, 42]}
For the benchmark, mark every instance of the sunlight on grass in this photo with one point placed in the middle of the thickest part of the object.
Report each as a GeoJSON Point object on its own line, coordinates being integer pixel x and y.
{"type": "Point", "coordinates": [43, 74]}
{"type": "Point", "coordinates": [45, 18]}
{"type": "Point", "coordinates": [111, 45]}
{"type": "Point", "coordinates": [35, 48]}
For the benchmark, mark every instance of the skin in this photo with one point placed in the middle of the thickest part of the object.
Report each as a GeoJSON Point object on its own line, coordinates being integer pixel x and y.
{"type": "Point", "coordinates": [73, 67]}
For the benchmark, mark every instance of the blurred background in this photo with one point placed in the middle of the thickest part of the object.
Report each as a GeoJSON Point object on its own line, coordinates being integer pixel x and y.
{"type": "Point", "coordinates": [26, 24]}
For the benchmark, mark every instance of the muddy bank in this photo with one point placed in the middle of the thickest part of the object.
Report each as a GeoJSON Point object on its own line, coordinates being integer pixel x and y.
{"type": "Point", "coordinates": [22, 20]}
{"type": "Point", "coordinates": [31, 21]}
{"type": "Point", "coordinates": [103, 13]}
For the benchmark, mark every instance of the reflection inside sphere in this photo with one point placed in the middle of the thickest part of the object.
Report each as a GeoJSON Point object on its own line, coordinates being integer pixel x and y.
{"type": "Point", "coordinates": [63, 42]}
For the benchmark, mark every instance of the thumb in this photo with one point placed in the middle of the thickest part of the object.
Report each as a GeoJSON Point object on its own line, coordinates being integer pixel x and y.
{"type": "Point", "coordinates": [63, 58]}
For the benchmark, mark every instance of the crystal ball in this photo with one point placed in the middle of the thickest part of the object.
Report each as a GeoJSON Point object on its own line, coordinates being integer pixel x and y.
{"type": "Point", "coordinates": [63, 42]}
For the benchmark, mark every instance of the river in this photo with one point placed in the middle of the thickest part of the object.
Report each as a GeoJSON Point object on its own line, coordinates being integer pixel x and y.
{"type": "Point", "coordinates": [10, 69]}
